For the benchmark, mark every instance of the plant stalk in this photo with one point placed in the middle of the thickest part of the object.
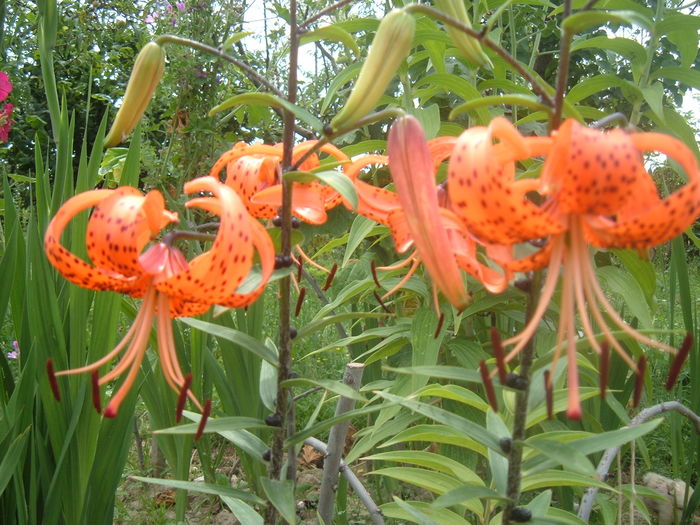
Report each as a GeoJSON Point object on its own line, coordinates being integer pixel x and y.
{"type": "Point", "coordinates": [562, 70]}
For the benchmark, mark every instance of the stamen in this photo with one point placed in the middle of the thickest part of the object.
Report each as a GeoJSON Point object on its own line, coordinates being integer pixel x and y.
{"type": "Point", "coordinates": [439, 325]}
{"type": "Point", "coordinates": [203, 421]}
{"type": "Point", "coordinates": [373, 267]}
{"type": "Point", "coordinates": [331, 275]}
{"type": "Point", "coordinates": [96, 401]}
{"type": "Point", "coordinates": [404, 279]}
{"type": "Point", "coordinates": [182, 397]}
{"type": "Point", "coordinates": [499, 353]}
{"type": "Point", "coordinates": [678, 361]}
{"type": "Point", "coordinates": [300, 269]}
{"type": "Point", "coordinates": [310, 260]}
{"type": "Point", "coordinates": [488, 385]}
{"type": "Point", "coordinates": [639, 381]}
{"type": "Point", "coordinates": [604, 367]}
{"type": "Point", "coordinates": [381, 303]}
{"type": "Point", "coordinates": [300, 300]}
{"type": "Point", "coordinates": [549, 394]}
{"type": "Point", "coordinates": [52, 380]}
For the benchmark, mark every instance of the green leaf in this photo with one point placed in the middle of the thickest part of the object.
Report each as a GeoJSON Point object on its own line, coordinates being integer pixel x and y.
{"type": "Point", "coordinates": [430, 460]}
{"type": "Point", "coordinates": [437, 434]}
{"type": "Point", "coordinates": [334, 33]}
{"type": "Point", "coordinates": [240, 338]}
{"type": "Point", "coordinates": [642, 270]}
{"type": "Point", "coordinates": [623, 283]}
{"type": "Point", "coordinates": [220, 424]}
{"type": "Point", "coordinates": [436, 482]}
{"type": "Point", "coordinates": [598, 83]}
{"type": "Point", "coordinates": [464, 493]}
{"type": "Point", "coordinates": [458, 86]}
{"type": "Point", "coordinates": [205, 488]}
{"type": "Point", "coordinates": [677, 22]}
{"type": "Point", "coordinates": [580, 22]}
{"type": "Point", "coordinates": [654, 96]}
{"type": "Point", "coordinates": [689, 77]}
{"type": "Point", "coordinates": [12, 454]}
{"type": "Point", "coordinates": [319, 324]}
{"type": "Point", "coordinates": [236, 37]}
{"type": "Point", "coordinates": [270, 100]}
{"type": "Point", "coordinates": [564, 454]}
{"type": "Point", "coordinates": [243, 512]}
{"type": "Point", "coordinates": [440, 415]}
{"type": "Point", "coordinates": [417, 515]}
{"type": "Point", "coordinates": [340, 183]}
{"type": "Point", "coordinates": [341, 79]}
{"type": "Point", "coordinates": [332, 386]}
{"type": "Point", "coordinates": [441, 516]}
{"type": "Point", "coordinates": [560, 478]}
{"type": "Point", "coordinates": [361, 227]}
{"type": "Point", "coordinates": [529, 101]}
{"type": "Point", "coordinates": [454, 373]}
{"type": "Point", "coordinates": [281, 495]}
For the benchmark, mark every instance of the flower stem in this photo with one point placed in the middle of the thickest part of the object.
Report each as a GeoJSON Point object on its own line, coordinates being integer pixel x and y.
{"type": "Point", "coordinates": [563, 69]}
{"type": "Point", "coordinates": [515, 456]}
{"type": "Point", "coordinates": [285, 353]}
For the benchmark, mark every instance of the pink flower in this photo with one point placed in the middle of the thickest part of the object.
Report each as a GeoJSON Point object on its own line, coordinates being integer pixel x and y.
{"type": "Point", "coordinates": [5, 122]}
{"type": "Point", "coordinates": [5, 85]}
{"type": "Point", "coordinates": [180, 6]}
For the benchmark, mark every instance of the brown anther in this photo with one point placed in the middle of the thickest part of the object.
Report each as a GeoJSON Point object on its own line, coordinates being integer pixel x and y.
{"type": "Point", "coordinates": [300, 300]}
{"type": "Point", "coordinates": [182, 397]}
{"type": "Point", "coordinates": [439, 325]}
{"type": "Point", "coordinates": [499, 354]}
{"type": "Point", "coordinates": [678, 361]}
{"type": "Point", "coordinates": [381, 303]}
{"type": "Point", "coordinates": [203, 421]}
{"type": "Point", "coordinates": [52, 380]}
{"type": "Point", "coordinates": [549, 393]}
{"type": "Point", "coordinates": [373, 267]}
{"type": "Point", "coordinates": [488, 385]}
{"type": "Point", "coordinates": [639, 380]}
{"type": "Point", "coordinates": [604, 367]}
{"type": "Point", "coordinates": [329, 280]}
{"type": "Point", "coordinates": [96, 401]}
{"type": "Point", "coordinates": [300, 268]}
{"type": "Point", "coordinates": [524, 285]}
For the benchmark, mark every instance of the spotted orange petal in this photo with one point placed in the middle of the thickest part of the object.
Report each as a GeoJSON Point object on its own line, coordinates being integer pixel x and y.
{"type": "Point", "coordinates": [215, 275]}
{"type": "Point", "coordinates": [74, 268]}
{"type": "Point", "coordinates": [483, 190]}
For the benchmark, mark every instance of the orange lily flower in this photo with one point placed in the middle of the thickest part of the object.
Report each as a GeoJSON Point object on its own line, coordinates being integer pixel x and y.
{"type": "Point", "coordinates": [416, 215]}
{"type": "Point", "coordinates": [595, 191]}
{"type": "Point", "coordinates": [123, 222]}
{"type": "Point", "coordinates": [253, 172]}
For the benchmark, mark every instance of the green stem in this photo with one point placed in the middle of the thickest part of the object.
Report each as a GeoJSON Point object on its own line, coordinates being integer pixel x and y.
{"type": "Point", "coordinates": [563, 70]}
{"type": "Point", "coordinates": [651, 47]}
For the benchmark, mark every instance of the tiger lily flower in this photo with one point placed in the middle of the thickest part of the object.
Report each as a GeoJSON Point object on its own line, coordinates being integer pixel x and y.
{"type": "Point", "coordinates": [253, 172]}
{"type": "Point", "coordinates": [595, 191]}
{"type": "Point", "coordinates": [123, 223]}
{"type": "Point", "coordinates": [417, 217]}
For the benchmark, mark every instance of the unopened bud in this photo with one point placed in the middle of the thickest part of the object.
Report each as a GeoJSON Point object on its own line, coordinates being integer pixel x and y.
{"type": "Point", "coordinates": [145, 76]}
{"type": "Point", "coordinates": [467, 45]}
{"type": "Point", "coordinates": [389, 49]}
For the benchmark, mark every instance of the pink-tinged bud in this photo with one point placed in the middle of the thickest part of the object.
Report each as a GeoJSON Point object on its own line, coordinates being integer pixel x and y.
{"type": "Point", "coordinates": [414, 176]}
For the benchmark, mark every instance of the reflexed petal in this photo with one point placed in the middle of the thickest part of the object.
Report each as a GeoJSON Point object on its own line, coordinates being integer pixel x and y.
{"type": "Point", "coordinates": [216, 274]}
{"type": "Point", "coordinates": [414, 176]}
{"type": "Point", "coordinates": [483, 190]}
{"type": "Point", "coordinates": [75, 269]}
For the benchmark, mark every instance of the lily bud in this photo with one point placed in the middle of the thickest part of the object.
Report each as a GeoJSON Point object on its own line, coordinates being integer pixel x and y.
{"type": "Point", "coordinates": [145, 76]}
{"type": "Point", "coordinates": [469, 46]}
{"type": "Point", "coordinates": [390, 47]}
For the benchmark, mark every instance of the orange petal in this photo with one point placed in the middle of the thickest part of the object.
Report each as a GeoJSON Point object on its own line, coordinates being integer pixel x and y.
{"type": "Point", "coordinates": [413, 174]}
{"type": "Point", "coordinates": [72, 267]}
{"type": "Point", "coordinates": [660, 220]}
{"type": "Point", "coordinates": [216, 274]}
{"type": "Point", "coordinates": [307, 201]}
{"type": "Point", "coordinates": [122, 225]}
{"type": "Point", "coordinates": [483, 190]}
{"type": "Point", "coordinates": [250, 174]}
